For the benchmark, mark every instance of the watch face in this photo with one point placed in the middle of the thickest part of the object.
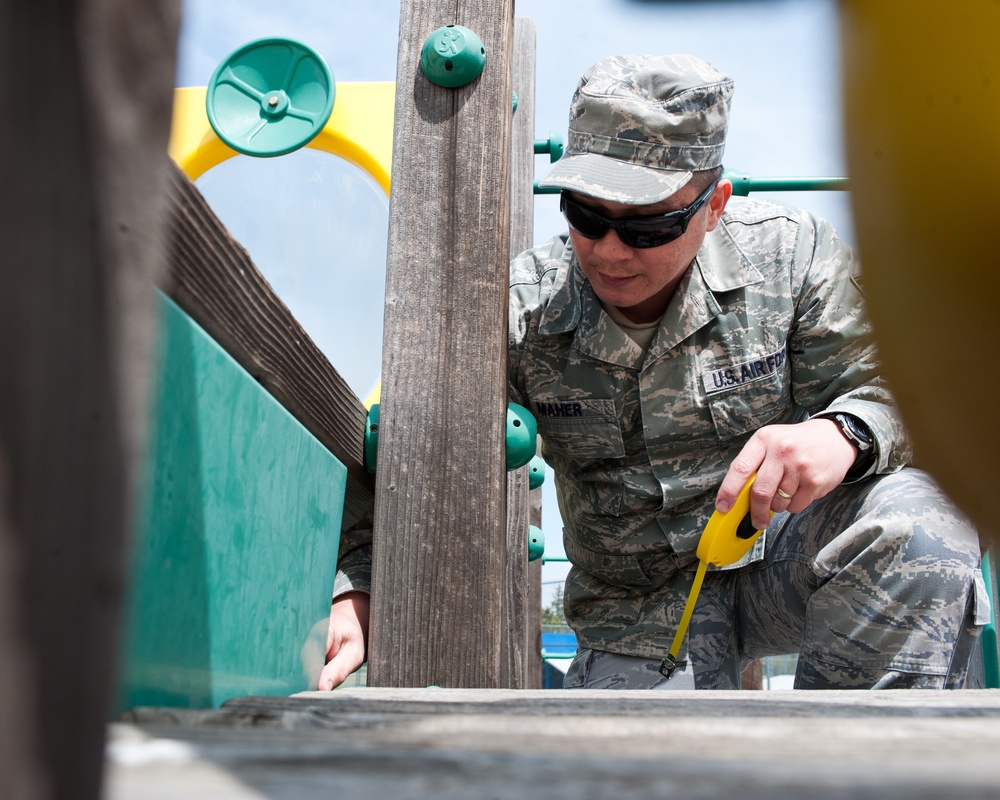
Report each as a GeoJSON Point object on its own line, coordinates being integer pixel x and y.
{"type": "Point", "coordinates": [855, 431]}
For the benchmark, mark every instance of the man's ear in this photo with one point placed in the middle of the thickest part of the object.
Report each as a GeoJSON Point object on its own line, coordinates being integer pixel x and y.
{"type": "Point", "coordinates": [717, 202]}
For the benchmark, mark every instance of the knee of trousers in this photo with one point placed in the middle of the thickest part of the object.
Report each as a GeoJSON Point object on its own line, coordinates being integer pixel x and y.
{"type": "Point", "coordinates": [905, 527]}
{"type": "Point", "coordinates": [895, 584]}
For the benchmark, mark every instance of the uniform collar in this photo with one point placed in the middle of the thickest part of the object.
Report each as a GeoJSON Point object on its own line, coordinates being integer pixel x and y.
{"type": "Point", "coordinates": [720, 266]}
{"type": "Point", "coordinates": [723, 264]}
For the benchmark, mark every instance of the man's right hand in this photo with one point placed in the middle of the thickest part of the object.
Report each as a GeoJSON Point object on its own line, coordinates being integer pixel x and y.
{"type": "Point", "coordinates": [346, 640]}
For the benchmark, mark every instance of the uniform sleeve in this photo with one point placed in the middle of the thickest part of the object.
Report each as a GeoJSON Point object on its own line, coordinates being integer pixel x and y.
{"type": "Point", "coordinates": [832, 349]}
{"type": "Point", "coordinates": [354, 559]}
{"type": "Point", "coordinates": [524, 305]}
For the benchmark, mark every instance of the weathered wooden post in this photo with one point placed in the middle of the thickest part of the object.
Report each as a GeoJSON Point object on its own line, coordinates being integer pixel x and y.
{"type": "Point", "coordinates": [440, 510]}
{"type": "Point", "coordinates": [524, 580]}
{"type": "Point", "coordinates": [87, 86]}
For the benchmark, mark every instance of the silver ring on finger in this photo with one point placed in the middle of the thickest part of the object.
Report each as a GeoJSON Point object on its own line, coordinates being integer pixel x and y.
{"type": "Point", "coordinates": [784, 494]}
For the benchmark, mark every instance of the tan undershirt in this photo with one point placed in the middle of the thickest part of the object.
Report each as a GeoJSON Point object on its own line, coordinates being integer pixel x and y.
{"type": "Point", "coordinates": [641, 333]}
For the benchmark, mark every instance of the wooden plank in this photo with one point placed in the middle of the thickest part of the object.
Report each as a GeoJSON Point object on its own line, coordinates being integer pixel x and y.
{"type": "Point", "coordinates": [213, 279]}
{"type": "Point", "coordinates": [535, 667]}
{"type": "Point", "coordinates": [526, 614]}
{"type": "Point", "coordinates": [440, 510]}
{"type": "Point", "coordinates": [81, 219]}
{"type": "Point", "coordinates": [514, 641]}
{"type": "Point", "coordinates": [752, 677]}
{"type": "Point", "coordinates": [511, 744]}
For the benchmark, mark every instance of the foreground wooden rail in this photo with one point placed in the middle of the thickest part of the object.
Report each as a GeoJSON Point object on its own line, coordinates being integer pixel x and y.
{"type": "Point", "coordinates": [212, 278]}
{"type": "Point", "coordinates": [513, 744]}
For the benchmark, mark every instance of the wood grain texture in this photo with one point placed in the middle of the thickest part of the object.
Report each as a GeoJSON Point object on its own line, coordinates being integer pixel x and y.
{"type": "Point", "coordinates": [440, 510]}
{"type": "Point", "coordinates": [525, 614]}
{"type": "Point", "coordinates": [900, 745]}
{"type": "Point", "coordinates": [514, 612]}
{"type": "Point", "coordinates": [82, 223]}
{"type": "Point", "coordinates": [212, 278]}
{"type": "Point", "coordinates": [533, 630]}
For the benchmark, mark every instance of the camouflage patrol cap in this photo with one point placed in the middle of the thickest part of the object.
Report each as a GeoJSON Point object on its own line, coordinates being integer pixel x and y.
{"type": "Point", "coordinates": [640, 125]}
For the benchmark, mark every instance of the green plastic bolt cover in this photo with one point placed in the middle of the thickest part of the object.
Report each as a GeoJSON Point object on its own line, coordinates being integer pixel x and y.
{"type": "Point", "coordinates": [547, 190]}
{"type": "Point", "coordinates": [452, 56]}
{"type": "Point", "coordinates": [536, 543]}
{"type": "Point", "coordinates": [536, 472]}
{"type": "Point", "coordinates": [513, 102]}
{"type": "Point", "coordinates": [522, 431]}
{"type": "Point", "coordinates": [740, 181]}
{"type": "Point", "coordinates": [270, 97]}
{"type": "Point", "coordinates": [371, 438]}
{"type": "Point", "coordinates": [554, 146]}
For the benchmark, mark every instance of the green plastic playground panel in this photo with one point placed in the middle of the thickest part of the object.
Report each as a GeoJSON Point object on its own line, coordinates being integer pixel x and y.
{"type": "Point", "coordinates": [991, 654]}
{"type": "Point", "coordinates": [235, 559]}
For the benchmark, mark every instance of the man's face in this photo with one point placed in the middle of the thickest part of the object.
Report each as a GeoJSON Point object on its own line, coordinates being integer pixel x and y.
{"type": "Point", "coordinates": [641, 281]}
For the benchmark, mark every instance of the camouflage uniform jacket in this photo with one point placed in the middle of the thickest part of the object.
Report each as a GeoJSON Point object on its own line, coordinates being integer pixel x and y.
{"type": "Point", "coordinates": [766, 327]}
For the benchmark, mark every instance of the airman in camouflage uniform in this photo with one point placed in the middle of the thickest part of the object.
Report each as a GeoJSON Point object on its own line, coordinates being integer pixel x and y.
{"type": "Point", "coordinates": [673, 344]}
{"type": "Point", "coordinates": [874, 581]}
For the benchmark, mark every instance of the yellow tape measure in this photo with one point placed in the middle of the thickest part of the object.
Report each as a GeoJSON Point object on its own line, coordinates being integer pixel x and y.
{"type": "Point", "coordinates": [726, 539]}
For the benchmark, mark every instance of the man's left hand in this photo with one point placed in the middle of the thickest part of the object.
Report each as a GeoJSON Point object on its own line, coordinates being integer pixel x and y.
{"type": "Point", "coordinates": [795, 464]}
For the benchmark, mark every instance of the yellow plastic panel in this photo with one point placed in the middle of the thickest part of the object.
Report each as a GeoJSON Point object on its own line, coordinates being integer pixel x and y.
{"type": "Point", "coordinates": [359, 131]}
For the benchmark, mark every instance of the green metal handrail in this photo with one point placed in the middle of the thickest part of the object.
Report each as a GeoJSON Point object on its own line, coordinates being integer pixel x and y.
{"type": "Point", "coordinates": [743, 184]}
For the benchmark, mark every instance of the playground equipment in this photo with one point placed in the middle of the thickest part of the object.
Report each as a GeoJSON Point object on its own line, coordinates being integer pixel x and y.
{"type": "Point", "coordinates": [243, 506]}
{"type": "Point", "coordinates": [268, 98]}
{"type": "Point", "coordinates": [56, 724]}
{"type": "Point", "coordinates": [453, 56]}
{"type": "Point", "coordinates": [357, 118]}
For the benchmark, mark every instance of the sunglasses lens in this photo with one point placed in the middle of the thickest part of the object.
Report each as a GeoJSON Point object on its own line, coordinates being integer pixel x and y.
{"type": "Point", "coordinates": [638, 232]}
{"type": "Point", "coordinates": [649, 238]}
{"type": "Point", "coordinates": [583, 221]}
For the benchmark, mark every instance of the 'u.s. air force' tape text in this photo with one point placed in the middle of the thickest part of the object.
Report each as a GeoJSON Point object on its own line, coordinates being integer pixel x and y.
{"type": "Point", "coordinates": [718, 380]}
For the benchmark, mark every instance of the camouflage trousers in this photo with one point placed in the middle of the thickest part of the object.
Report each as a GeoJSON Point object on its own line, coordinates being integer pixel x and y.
{"type": "Point", "coordinates": [877, 585]}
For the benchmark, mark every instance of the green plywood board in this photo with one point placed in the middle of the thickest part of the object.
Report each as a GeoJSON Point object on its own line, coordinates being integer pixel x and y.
{"type": "Point", "coordinates": [236, 553]}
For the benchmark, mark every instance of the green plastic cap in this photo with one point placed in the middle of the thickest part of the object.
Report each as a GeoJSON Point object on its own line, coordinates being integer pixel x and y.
{"type": "Point", "coordinates": [536, 472]}
{"type": "Point", "coordinates": [452, 56]}
{"type": "Point", "coordinates": [371, 439]}
{"type": "Point", "coordinates": [536, 543]}
{"type": "Point", "coordinates": [554, 146]}
{"type": "Point", "coordinates": [740, 181]}
{"type": "Point", "coordinates": [522, 431]}
{"type": "Point", "coordinates": [270, 97]}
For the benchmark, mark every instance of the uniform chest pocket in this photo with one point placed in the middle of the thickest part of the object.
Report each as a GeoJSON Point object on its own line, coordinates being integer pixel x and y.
{"type": "Point", "coordinates": [583, 431]}
{"type": "Point", "coordinates": [742, 410]}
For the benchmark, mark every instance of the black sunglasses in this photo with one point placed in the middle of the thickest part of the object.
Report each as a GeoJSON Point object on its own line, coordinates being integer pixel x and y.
{"type": "Point", "coordinates": [640, 231]}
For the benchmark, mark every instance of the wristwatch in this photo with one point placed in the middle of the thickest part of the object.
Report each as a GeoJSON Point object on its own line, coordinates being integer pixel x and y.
{"type": "Point", "coordinates": [860, 435]}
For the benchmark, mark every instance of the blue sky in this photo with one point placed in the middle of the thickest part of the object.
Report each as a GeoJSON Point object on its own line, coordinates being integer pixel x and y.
{"type": "Point", "coordinates": [317, 227]}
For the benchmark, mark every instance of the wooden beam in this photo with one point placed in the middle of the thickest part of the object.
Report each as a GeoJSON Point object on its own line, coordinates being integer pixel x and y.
{"type": "Point", "coordinates": [440, 509]}
{"type": "Point", "coordinates": [82, 217]}
{"type": "Point", "coordinates": [508, 745]}
{"type": "Point", "coordinates": [521, 614]}
{"type": "Point", "coordinates": [213, 279]}
{"type": "Point", "coordinates": [535, 675]}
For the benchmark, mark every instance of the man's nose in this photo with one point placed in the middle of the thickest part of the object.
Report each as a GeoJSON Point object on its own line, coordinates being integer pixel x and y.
{"type": "Point", "coordinates": [610, 245]}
